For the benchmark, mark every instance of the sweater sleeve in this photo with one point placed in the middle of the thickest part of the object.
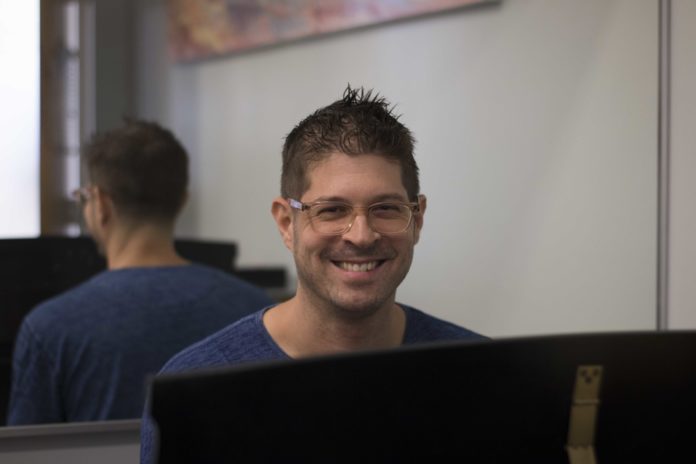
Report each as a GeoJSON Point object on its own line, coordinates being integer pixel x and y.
{"type": "Point", "coordinates": [35, 396]}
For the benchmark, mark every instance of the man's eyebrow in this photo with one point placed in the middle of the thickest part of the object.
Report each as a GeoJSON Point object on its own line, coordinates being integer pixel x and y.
{"type": "Point", "coordinates": [389, 197]}
{"type": "Point", "coordinates": [376, 199]}
{"type": "Point", "coordinates": [331, 198]}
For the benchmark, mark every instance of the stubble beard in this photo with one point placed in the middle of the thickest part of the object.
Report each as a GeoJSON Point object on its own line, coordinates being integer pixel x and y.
{"type": "Point", "coordinates": [329, 296]}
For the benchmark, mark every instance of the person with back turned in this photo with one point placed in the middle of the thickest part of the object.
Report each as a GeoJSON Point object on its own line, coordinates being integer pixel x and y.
{"type": "Point", "coordinates": [350, 212]}
{"type": "Point", "coordinates": [85, 354]}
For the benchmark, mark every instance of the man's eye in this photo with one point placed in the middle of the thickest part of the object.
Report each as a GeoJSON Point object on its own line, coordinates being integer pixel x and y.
{"type": "Point", "coordinates": [388, 210]}
{"type": "Point", "coordinates": [331, 211]}
{"type": "Point", "coordinates": [386, 207]}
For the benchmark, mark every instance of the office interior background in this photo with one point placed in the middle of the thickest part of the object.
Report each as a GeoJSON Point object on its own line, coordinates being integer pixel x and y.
{"type": "Point", "coordinates": [555, 140]}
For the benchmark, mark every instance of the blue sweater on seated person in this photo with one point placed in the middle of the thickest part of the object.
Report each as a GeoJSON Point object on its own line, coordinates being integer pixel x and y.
{"type": "Point", "coordinates": [247, 340]}
{"type": "Point", "coordinates": [85, 354]}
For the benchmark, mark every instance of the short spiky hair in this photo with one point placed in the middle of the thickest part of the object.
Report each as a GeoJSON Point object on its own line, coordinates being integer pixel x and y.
{"type": "Point", "coordinates": [142, 166]}
{"type": "Point", "coordinates": [359, 123]}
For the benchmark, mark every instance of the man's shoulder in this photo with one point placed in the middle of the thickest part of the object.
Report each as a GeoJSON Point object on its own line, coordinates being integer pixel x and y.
{"type": "Point", "coordinates": [67, 316]}
{"type": "Point", "coordinates": [422, 327]}
{"type": "Point", "coordinates": [79, 299]}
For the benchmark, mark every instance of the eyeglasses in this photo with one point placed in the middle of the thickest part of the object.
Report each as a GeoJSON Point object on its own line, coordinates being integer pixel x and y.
{"type": "Point", "coordinates": [82, 194]}
{"type": "Point", "coordinates": [336, 217]}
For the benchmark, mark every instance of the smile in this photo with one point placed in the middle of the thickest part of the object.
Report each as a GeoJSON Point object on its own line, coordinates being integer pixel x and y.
{"type": "Point", "coordinates": [358, 267]}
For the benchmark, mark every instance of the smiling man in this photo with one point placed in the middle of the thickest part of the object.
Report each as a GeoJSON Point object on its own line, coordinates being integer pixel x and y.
{"type": "Point", "coordinates": [350, 211]}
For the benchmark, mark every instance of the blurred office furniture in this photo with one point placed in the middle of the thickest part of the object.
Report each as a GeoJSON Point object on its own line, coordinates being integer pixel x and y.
{"type": "Point", "coordinates": [109, 442]}
{"type": "Point", "coordinates": [35, 269]}
{"type": "Point", "coordinates": [607, 398]}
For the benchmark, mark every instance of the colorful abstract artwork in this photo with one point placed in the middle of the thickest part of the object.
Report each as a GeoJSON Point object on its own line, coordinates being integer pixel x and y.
{"type": "Point", "coordinates": [204, 28]}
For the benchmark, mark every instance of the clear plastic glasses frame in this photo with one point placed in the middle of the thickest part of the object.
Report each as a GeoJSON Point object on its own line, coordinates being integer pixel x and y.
{"type": "Point", "coordinates": [337, 218]}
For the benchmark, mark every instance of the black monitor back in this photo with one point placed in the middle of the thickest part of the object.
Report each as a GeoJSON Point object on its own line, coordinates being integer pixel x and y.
{"type": "Point", "coordinates": [35, 269]}
{"type": "Point", "coordinates": [498, 401]}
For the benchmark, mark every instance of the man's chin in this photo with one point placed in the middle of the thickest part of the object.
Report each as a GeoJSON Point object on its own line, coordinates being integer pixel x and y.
{"type": "Point", "coordinates": [359, 308]}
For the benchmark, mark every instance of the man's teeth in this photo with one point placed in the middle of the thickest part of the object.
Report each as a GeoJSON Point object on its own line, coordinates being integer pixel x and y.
{"type": "Point", "coordinates": [355, 267]}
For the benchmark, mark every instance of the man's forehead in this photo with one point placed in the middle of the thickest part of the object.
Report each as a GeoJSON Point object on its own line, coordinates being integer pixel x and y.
{"type": "Point", "coordinates": [342, 177]}
{"type": "Point", "coordinates": [320, 161]}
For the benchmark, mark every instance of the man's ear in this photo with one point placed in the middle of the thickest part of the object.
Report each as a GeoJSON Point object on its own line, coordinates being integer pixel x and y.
{"type": "Point", "coordinates": [104, 206]}
{"type": "Point", "coordinates": [282, 213]}
{"type": "Point", "coordinates": [418, 217]}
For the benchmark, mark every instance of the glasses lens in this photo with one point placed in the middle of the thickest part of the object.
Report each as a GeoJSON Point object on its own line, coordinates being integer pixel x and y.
{"type": "Point", "coordinates": [389, 218]}
{"type": "Point", "coordinates": [330, 217]}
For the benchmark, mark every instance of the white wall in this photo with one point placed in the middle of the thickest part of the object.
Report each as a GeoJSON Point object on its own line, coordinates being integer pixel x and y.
{"type": "Point", "coordinates": [682, 224]}
{"type": "Point", "coordinates": [537, 136]}
{"type": "Point", "coordinates": [19, 118]}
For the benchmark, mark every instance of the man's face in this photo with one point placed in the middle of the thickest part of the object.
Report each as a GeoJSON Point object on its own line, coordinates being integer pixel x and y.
{"type": "Point", "coordinates": [357, 272]}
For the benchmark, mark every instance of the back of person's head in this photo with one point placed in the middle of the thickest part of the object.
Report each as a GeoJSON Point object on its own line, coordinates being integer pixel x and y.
{"type": "Point", "coordinates": [142, 167]}
{"type": "Point", "coordinates": [359, 123]}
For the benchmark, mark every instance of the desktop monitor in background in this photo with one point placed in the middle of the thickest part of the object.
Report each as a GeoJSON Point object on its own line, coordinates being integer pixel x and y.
{"type": "Point", "coordinates": [222, 255]}
{"type": "Point", "coordinates": [34, 269]}
{"type": "Point", "coordinates": [510, 400]}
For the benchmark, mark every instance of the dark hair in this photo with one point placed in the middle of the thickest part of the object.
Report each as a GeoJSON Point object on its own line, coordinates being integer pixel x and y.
{"type": "Point", "coordinates": [142, 166]}
{"type": "Point", "coordinates": [359, 123]}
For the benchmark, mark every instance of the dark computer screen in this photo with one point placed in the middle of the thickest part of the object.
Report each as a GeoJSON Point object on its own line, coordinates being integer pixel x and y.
{"type": "Point", "coordinates": [495, 401]}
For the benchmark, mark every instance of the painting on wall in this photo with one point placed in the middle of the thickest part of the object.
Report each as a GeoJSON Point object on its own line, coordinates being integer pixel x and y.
{"type": "Point", "coordinates": [205, 28]}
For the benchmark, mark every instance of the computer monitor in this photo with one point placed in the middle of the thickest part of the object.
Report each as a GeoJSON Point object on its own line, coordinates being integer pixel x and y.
{"type": "Point", "coordinates": [222, 255]}
{"type": "Point", "coordinates": [508, 400]}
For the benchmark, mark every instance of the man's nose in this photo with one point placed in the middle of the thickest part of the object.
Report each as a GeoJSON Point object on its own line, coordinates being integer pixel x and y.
{"type": "Point", "coordinates": [360, 233]}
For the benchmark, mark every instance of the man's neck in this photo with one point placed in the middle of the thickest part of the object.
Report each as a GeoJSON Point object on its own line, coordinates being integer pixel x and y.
{"type": "Point", "coordinates": [143, 245]}
{"type": "Point", "coordinates": [301, 329]}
